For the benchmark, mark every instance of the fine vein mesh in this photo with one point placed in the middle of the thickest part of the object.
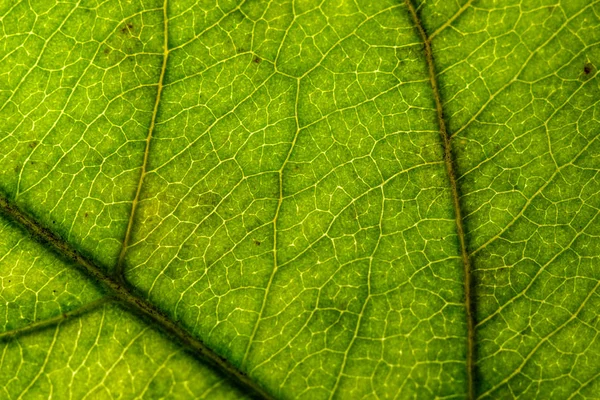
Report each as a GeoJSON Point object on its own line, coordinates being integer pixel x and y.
{"type": "Point", "coordinates": [521, 91]}
{"type": "Point", "coordinates": [296, 213]}
{"type": "Point", "coordinates": [34, 284]}
{"type": "Point", "coordinates": [104, 352]}
{"type": "Point", "coordinates": [77, 88]}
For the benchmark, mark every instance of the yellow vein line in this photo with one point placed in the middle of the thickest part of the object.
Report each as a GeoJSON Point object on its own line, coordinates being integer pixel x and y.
{"type": "Point", "coordinates": [455, 198]}
{"type": "Point", "coordinates": [54, 320]}
{"type": "Point", "coordinates": [119, 269]}
{"type": "Point", "coordinates": [543, 340]}
{"type": "Point", "coordinates": [275, 219]}
{"type": "Point", "coordinates": [33, 381]}
{"type": "Point", "coordinates": [130, 299]}
{"type": "Point", "coordinates": [451, 20]}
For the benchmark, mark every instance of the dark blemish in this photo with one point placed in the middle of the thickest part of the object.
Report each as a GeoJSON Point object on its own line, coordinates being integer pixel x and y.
{"type": "Point", "coordinates": [32, 162]}
{"type": "Point", "coordinates": [128, 28]}
{"type": "Point", "coordinates": [588, 68]}
{"type": "Point", "coordinates": [53, 222]}
{"type": "Point", "coordinates": [257, 60]}
{"type": "Point", "coordinates": [106, 51]}
{"type": "Point", "coordinates": [240, 50]}
{"type": "Point", "coordinates": [526, 331]}
{"type": "Point", "coordinates": [17, 168]}
{"type": "Point", "coordinates": [33, 144]}
{"type": "Point", "coordinates": [86, 215]}
{"type": "Point", "coordinates": [256, 242]}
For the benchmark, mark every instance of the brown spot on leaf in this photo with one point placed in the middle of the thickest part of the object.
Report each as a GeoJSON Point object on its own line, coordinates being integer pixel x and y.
{"type": "Point", "coordinates": [127, 29]}
{"type": "Point", "coordinates": [256, 242]}
{"type": "Point", "coordinates": [588, 68]}
{"type": "Point", "coordinates": [257, 60]}
{"type": "Point", "coordinates": [526, 331]}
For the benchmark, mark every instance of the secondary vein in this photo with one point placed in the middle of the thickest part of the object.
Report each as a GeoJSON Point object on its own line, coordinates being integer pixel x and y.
{"type": "Point", "coordinates": [448, 160]}
{"type": "Point", "coordinates": [119, 269]}
{"type": "Point", "coordinates": [128, 298]}
{"type": "Point", "coordinates": [34, 326]}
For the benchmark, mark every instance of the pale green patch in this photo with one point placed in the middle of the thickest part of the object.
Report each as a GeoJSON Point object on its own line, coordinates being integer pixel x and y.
{"type": "Point", "coordinates": [90, 347]}
{"type": "Point", "coordinates": [280, 177]}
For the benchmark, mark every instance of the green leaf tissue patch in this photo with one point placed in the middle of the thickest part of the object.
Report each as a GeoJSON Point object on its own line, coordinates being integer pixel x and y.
{"type": "Point", "coordinates": [299, 199]}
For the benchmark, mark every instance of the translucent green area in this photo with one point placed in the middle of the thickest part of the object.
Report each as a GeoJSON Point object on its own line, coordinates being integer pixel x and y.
{"type": "Point", "coordinates": [525, 135]}
{"type": "Point", "coordinates": [101, 351]}
{"type": "Point", "coordinates": [294, 211]}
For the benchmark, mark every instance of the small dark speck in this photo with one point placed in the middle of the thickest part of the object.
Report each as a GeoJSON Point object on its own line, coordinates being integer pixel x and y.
{"type": "Point", "coordinates": [106, 51]}
{"type": "Point", "coordinates": [127, 28]}
{"type": "Point", "coordinates": [53, 222]}
{"type": "Point", "coordinates": [256, 242]}
{"type": "Point", "coordinates": [32, 144]}
{"type": "Point", "coordinates": [257, 60]}
{"type": "Point", "coordinates": [86, 215]}
{"type": "Point", "coordinates": [526, 331]}
{"type": "Point", "coordinates": [587, 68]}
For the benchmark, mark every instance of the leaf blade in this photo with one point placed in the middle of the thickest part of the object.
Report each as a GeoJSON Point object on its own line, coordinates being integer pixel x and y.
{"type": "Point", "coordinates": [294, 211]}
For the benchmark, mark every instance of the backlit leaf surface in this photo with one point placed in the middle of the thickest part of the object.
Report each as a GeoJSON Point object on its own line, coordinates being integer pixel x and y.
{"type": "Point", "coordinates": [273, 177]}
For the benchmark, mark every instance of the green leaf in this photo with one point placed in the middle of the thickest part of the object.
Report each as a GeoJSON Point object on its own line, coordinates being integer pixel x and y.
{"type": "Point", "coordinates": [300, 199]}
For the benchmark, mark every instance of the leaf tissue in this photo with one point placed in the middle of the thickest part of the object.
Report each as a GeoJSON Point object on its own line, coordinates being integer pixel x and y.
{"type": "Point", "coordinates": [299, 199]}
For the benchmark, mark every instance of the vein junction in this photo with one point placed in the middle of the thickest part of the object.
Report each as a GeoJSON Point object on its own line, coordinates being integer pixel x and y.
{"type": "Point", "coordinates": [298, 207]}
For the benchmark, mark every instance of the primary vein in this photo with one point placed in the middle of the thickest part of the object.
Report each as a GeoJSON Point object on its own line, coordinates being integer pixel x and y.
{"type": "Point", "coordinates": [127, 297]}
{"type": "Point", "coordinates": [448, 160]}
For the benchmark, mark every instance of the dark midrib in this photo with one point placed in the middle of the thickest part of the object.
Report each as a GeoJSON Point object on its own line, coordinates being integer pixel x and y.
{"type": "Point", "coordinates": [449, 161]}
{"type": "Point", "coordinates": [129, 298]}
{"type": "Point", "coordinates": [118, 288]}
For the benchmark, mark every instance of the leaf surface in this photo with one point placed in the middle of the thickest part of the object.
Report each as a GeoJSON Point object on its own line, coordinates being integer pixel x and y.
{"type": "Point", "coordinates": [330, 199]}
